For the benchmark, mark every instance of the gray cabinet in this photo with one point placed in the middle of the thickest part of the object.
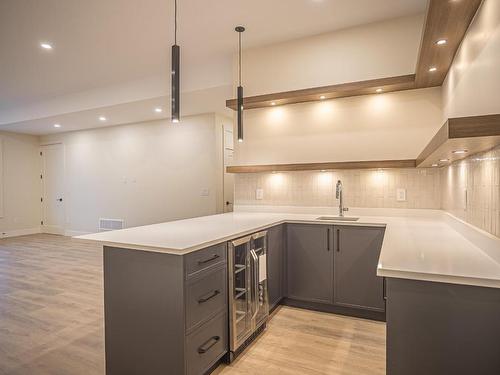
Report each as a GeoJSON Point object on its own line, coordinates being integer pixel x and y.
{"type": "Point", "coordinates": [275, 264]}
{"type": "Point", "coordinates": [164, 313]}
{"type": "Point", "coordinates": [356, 283]}
{"type": "Point", "coordinates": [310, 262]}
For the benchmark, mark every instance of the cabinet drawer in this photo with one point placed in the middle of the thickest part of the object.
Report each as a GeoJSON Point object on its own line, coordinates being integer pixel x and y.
{"type": "Point", "coordinates": [205, 297]}
{"type": "Point", "coordinates": [206, 345]}
{"type": "Point", "coordinates": [205, 258]}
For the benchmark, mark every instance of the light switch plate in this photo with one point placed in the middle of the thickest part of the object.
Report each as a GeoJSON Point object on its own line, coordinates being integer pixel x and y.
{"type": "Point", "coordinates": [205, 192]}
{"type": "Point", "coordinates": [259, 194]}
{"type": "Point", "coordinates": [401, 195]}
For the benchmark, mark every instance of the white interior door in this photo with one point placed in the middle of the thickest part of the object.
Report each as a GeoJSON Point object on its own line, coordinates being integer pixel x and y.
{"type": "Point", "coordinates": [53, 216]}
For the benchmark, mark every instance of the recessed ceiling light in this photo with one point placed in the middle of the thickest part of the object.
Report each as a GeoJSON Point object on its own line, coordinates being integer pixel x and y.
{"type": "Point", "coordinates": [441, 42]}
{"type": "Point", "coordinates": [379, 90]}
{"type": "Point", "coordinates": [47, 46]}
{"type": "Point", "coordinates": [322, 97]}
{"type": "Point", "coordinates": [459, 152]}
{"type": "Point", "coordinates": [432, 69]}
{"type": "Point", "coordinates": [57, 125]}
{"type": "Point", "coordinates": [102, 118]}
{"type": "Point", "coordinates": [443, 160]}
{"type": "Point", "coordinates": [434, 165]}
{"type": "Point", "coordinates": [158, 110]}
{"type": "Point", "coordinates": [273, 103]}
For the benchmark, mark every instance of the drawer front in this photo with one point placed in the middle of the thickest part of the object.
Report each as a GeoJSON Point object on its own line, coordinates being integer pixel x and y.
{"type": "Point", "coordinates": [206, 345]}
{"type": "Point", "coordinates": [206, 296]}
{"type": "Point", "coordinates": [205, 258]}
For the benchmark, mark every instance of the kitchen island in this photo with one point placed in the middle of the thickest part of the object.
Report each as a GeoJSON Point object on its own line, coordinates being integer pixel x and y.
{"type": "Point", "coordinates": [149, 275]}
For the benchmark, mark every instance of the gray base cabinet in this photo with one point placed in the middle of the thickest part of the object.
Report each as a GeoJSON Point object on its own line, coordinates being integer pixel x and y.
{"type": "Point", "coordinates": [165, 314]}
{"type": "Point", "coordinates": [356, 284]}
{"type": "Point", "coordinates": [439, 328]}
{"type": "Point", "coordinates": [310, 262]}
{"type": "Point", "coordinates": [333, 268]}
{"type": "Point", "coordinates": [275, 264]}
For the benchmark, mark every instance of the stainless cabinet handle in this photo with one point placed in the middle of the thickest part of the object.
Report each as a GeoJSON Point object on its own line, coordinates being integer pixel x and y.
{"type": "Point", "coordinates": [255, 263]}
{"type": "Point", "coordinates": [338, 240]}
{"type": "Point", "coordinates": [205, 347]}
{"type": "Point", "coordinates": [205, 299]}
{"type": "Point", "coordinates": [328, 239]}
{"type": "Point", "coordinates": [215, 256]}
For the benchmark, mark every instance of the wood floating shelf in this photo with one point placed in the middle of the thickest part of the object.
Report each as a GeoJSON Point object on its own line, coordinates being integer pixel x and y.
{"type": "Point", "coordinates": [342, 90]}
{"type": "Point", "coordinates": [446, 23]}
{"type": "Point", "coordinates": [322, 166]}
{"type": "Point", "coordinates": [459, 138]}
{"type": "Point", "coordinates": [472, 134]}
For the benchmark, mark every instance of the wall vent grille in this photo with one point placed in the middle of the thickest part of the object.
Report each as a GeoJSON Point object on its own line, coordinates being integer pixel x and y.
{"type": "Point", "coordinates": [110, 224]}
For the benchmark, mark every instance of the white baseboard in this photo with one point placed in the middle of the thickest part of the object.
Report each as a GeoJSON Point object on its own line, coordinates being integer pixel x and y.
{"type": "Point", "coordinates": [19, 232]}
{"type": "Point", "coordinates": [73, 233]}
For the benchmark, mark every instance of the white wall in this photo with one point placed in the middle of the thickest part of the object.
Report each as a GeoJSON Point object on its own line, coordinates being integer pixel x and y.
{"type": "Point", "coordinates": [372, 127]}
{"type": "Point", "coordinates": [142, 173]}
{"type": "Point", "coordinates": [21, 184]}
{"type": "Point", "coordinates": [364, 52]}
{"type": "Point", "coordinates": [473, 82]}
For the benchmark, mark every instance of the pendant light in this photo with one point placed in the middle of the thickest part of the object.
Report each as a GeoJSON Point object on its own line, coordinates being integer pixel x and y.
{"type": "Point", "coordinates": [239, 30]}
{"type": "Point", "coordinates": [176, 62]}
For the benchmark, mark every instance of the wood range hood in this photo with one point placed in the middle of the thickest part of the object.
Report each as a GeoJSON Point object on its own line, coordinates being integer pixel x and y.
{"type": "Point", "coordinates": [444, 20]}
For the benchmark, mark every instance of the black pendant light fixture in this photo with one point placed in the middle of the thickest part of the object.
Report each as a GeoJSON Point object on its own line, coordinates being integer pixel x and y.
{"type": "Point", "coordinates": [176, 82]}
{"type": "Point", "coordinates": [239, 30]}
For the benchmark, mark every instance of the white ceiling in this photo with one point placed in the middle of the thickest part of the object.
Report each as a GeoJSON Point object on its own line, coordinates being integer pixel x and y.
{"type": "Point", "coordinates": [100, 43]}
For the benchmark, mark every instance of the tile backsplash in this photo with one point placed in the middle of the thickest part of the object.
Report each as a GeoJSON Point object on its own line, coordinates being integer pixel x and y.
{"type": "Point", "coordinates": [469, 189]}
{"type": "Point", "coordinates": [362, 188]}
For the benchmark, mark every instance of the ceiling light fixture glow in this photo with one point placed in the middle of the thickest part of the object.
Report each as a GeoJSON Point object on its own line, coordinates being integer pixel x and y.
{"type": "Point", "coordinates": [46, 46]}
{"type": "Point", "coordinates": [441, 42]}
{"type": "Point", "coordinates": [443, 160]}
{"type": "Point", "coordinates": [379, 90]}
{"type": "Point", "coordinates": [57, 125]}
{"type": "Point", "coordinates": [102, 118]}
{"type": "Point", "coordinates": [273, 103]}
{"type": "Point", "coordinates": [459, 152]}
{"type": "Point", "coordinates": [434, 165]}
{"type": "Point", "coordinates": [432, 69]}
{"type": "Point", "coordinates": [322, 97]}
{"type": "Point", "coordinates": [158, 110]}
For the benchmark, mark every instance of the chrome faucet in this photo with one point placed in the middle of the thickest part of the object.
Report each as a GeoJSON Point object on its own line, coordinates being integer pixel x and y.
{"type": "Point", "coordinates": [338, 195]}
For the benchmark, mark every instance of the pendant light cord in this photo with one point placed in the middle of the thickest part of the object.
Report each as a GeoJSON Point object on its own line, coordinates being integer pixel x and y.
{"type": "Point", "coordinates": [239, 43]}
{"type": "Point", "coordinates": [175, 22]}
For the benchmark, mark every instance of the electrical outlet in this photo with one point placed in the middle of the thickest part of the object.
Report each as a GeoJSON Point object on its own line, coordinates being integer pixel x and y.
{"type": "Point", "coordinates": [401, 195]}
{"type": "Point", "coordinates": [259, 194]}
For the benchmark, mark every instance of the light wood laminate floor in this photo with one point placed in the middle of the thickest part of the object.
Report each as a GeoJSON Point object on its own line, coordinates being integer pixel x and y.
{"type": "Point", "coordinates": [51, 321]}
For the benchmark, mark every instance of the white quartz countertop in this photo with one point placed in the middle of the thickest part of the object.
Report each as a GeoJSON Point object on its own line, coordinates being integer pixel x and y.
{"type": "Point", "coordinates": [431, 247]}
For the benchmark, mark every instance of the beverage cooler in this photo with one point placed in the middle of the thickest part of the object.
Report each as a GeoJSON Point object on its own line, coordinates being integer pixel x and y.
{"type": "Point", "coordinates": [248, 298]}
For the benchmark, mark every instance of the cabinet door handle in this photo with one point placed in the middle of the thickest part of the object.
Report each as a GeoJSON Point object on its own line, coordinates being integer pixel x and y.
{"type": "Point", "coordinates": [205, 347]}
{"type": "Point", "coordinates": [338, 240]}
{"type": "Point", "coordinates": [215, 256]}
{"type": "Point", "coordinates": [208, 298]}
{"type": "Point", "coordinates": [328, 239]}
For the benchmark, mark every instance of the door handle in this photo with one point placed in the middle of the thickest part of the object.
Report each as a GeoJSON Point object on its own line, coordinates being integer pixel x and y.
{"type": "Point", "coordinates": [338, 240]}
{"type": "Point", "coordinates": [328, 239]}
{"type": "Point", "coordinates": [228, 203]}
{"type": "Point", "coordinates": [213, 257]}
{"type": "Point", "coordinates": [255, 261]}
{"type": "Point", "coordinates": [207, 345]}
{"type": "Point", "coordinates": [59, 199]}
{"type": "Point", "coordinates": [208, 298]}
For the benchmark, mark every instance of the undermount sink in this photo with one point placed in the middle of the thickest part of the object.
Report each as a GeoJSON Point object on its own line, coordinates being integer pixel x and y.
{"type": "Point", "coordinates": [338, 218]}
